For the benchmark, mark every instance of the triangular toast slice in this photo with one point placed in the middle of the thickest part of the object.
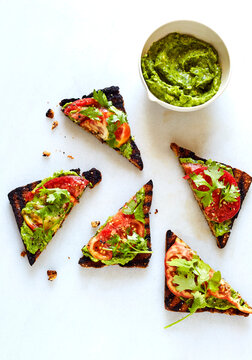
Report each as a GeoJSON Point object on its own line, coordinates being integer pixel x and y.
{"type": "Point", "coordinates": [218, 290]}
{"type": "Point", "coordinates": [242, 179]}
{"type": "Point", "coordinates": [124, 239]}
{"type": "Point", "coordinates": [102, 113]}
{"type": "Point", "coordinates": [54, 206]}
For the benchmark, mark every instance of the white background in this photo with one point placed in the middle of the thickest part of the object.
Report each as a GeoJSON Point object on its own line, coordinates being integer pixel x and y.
{"type": "Point", "coordinates": [57, 49]}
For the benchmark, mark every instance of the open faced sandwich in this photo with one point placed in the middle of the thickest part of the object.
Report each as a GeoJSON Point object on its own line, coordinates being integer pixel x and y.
{"type": "Point", "coordinates": [124, 239]}
{"type": "Point", "coordinates": [102, 113]}
{"type": "Point", "coordinates": [192, 286]}
{"type": "Point", "coordinates": [41, 207]}
{"type": "Point", "coordinates": [218, 188]}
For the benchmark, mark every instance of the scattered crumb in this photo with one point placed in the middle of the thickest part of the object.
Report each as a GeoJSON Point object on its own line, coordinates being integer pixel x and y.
{"type": "Point", "coordinates": [55, 124]}
{"type": "Point", "coordinates": [52, 274]}
{"type": "Point", "coordinates": [68, 257]}
{"type": "Point", "coordinates": [64, 152]}
{"type": "Point", "coordinates": [70, 156]}
{"type": "Point", "coordinates": [94, 224]}
{"type": "Point", "coordinates": [156, 211]}
{"type": "Point", "coordinates": [23, 253]}
{"type": "Point", "coordinates": [50, 113]}
{"type": "Point", "coordinates": [46, 153]}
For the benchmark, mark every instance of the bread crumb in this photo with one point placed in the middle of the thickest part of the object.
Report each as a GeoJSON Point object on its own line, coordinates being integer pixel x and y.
{"type": "Point", "coordinates": [55, 124]}
{"type": "Point", "coordinates": [46, 153]}
{"type": "Point", "coordinates": [50, 113]}
{"type": "Point", "coordinates": [70, 156]}
{"type": "Point", "coordinates": [23, 253]}
{"type": "Point", "coordinates": [94, 224]}
{"type": "Point", "coordinates": [156, 211]}
{"type": "Point", "coordinates": [52, 274]}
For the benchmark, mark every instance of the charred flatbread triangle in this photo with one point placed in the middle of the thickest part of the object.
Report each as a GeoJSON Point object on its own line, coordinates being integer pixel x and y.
{"type": "Point", "coordinates": [218, 188]}
{"type": "Point", "coordinates": [124, 239]}
{"type": "Point", "coordinates": [102, 113]}
{"type": "Point", "coordinates": [187, 292]}
{"type": "Point", "coordinates": [41, 207]}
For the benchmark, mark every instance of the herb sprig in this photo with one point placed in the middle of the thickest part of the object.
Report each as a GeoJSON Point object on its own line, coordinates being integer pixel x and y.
{"type": "Point", "coordinates": [194, 275]}
{"type": "Point", "coordinates": [135, 206]}
{"type": "Point", "coordinates": [228, 193]}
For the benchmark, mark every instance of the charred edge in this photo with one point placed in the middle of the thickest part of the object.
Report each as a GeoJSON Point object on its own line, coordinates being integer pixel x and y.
{"type": "Point", "coordinates": [136, 155]}
{"type": "Point", "coordinates": [86, 262]}
{"type": "Point", "coordinates": [93, 176]}
{"type": "Point", "coordinates": [141, 260]}
{"type": "Point", "coordinates": [65, 101]}
{"type": "Point", "coordinates": [183, 152]}
{"type": "Point", "coordinates": [31, 257]}
{"type": "Point", "coordinates": [76, 170]}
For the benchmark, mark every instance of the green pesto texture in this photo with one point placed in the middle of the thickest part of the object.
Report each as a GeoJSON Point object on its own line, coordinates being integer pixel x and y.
{"type": "Point", "coordinates": [182, 70]}
{"type": "Point", "coordinates": [125, 251]}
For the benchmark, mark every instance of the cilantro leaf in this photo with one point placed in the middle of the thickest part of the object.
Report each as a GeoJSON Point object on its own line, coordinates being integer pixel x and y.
{"type": "Point", "coordinates": [230, 193]}
{"type": "Point", "coordinates": [91, 112]}
{"type": "Point", "coordinates": [214, 282]}
{"type": "Point", "coordinates": [185, 282]}
{"type": "Point", "coordinates": [101, 98]}
{"type": "Point", "coordinates": [199, 302]}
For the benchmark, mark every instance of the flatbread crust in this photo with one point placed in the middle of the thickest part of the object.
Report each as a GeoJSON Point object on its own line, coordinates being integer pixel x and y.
{"type": "Point", "coordinates": [141, 260]}
{"type": "Point", "coordinates": [17, 200]}
{"type": "Point", "coordinates": [112, 93]}
{"type": "Point", "coordinates": [174, 303]}
{"type": "Point", "coordinates": [243, 181]}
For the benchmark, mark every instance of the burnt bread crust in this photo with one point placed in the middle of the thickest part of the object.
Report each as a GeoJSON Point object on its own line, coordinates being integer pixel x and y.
{"type": "Point", "coordinates": [113, 94]}
{"type": "Point", "coordinates": [141, 260]}
{"type": "Point", "coordinates": [17, 199]}
{"type": "Point", "coordinates": [174, 303]}
{"type": "Point", "coordinates": [243, 181]}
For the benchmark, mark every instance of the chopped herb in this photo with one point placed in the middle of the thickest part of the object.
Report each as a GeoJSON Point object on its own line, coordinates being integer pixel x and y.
{"type": "Point", "coordinates": [91, 112]}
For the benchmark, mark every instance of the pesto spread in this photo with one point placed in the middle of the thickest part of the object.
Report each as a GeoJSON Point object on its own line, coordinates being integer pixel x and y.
{"type": "Point", "coordinates": [182, 70]}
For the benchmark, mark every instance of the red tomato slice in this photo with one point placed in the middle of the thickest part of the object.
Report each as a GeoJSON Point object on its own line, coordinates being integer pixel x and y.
{"type": "Point", "coordinates": [117, 225]}
{"type": "Point", "coordinates": [218, 211]}
{"type": "Point", "coordinates": [72, 183]}
{"type": "Point", "coordinates": [78, 104]}
{"type": "Point", "coordinates": [178, 250]}
{"type": "Point", "coordinates": [122, 134]}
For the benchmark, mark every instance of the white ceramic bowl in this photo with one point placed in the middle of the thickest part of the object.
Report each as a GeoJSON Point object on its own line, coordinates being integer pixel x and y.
{"type": "Point", "coordinates": [199, 31]}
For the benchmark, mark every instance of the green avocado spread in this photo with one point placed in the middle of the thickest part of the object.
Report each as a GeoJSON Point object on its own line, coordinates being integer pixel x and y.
{"type": "Point", "coordinates": [182, 70]}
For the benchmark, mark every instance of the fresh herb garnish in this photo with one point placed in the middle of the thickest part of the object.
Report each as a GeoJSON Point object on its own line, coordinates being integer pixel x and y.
{"type": "Point", "coordinates": [91, 112]}
{"type": "Point", "coordinates": [135, 206]}
{"type": "Point", "coordinates": [228, 193]}
{"type": "Point", "coordinates": [50, 207]}
{"type": "Point", "coordinates": [101, 98]}
{"type": "Point", "coordinates": [194, 275]}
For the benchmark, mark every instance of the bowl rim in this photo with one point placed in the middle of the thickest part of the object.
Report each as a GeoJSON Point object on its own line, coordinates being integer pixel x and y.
{"type": "Point", "coordinates": [166, 105]}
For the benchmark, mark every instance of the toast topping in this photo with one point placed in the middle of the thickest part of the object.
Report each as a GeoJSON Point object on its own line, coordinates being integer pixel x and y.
{"type": "Point", "coordinates": [195, 282]}
{"type": "Point", "coordinates": [122, 237]}
{"type": "Point", "coordinates": [216, 189]}
{"type": "Point", "coordinates": [49, 204]}
{"type": "Point", "coordinates": [101, 118]}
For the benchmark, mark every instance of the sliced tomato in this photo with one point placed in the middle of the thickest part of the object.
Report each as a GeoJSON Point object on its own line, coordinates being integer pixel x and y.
{"type": "Point", "coordinates": [79, 104]}
{"type": "Point", "coordinates": [97, 248]}
{"type": "Point", "coordinates": [178, 250]}
{"type": "Point", "coordinates": [121, 225]}
{"type": "Point", "coordinates": [72, 183]}
{"type": "Point", "coordinates": [122, 134]}
{"type": "Point", "coordinates": [218, 211]}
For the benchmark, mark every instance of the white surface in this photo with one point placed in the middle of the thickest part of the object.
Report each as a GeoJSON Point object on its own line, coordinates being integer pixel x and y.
{"type": "Point", "coordinates": [201, 32]}
{"type": "Point", "coordinates": [52, 50]}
